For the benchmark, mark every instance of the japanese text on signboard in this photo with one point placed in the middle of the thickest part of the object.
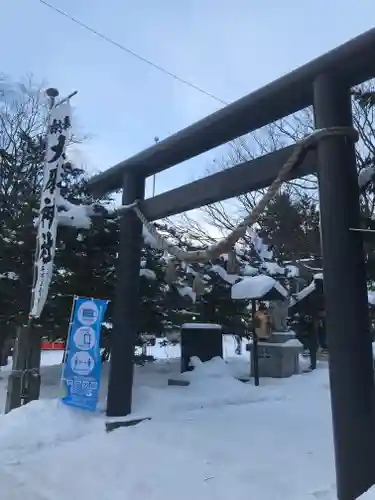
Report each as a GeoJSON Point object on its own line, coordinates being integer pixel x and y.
{"type": "Point", "coordinates": [57, 138]}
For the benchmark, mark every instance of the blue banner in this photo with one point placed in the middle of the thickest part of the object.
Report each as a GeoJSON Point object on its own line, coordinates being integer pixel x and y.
{"type": "Point", "coordinates": [82, 370]}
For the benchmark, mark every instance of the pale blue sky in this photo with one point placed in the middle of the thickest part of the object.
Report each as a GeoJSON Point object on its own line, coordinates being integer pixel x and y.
{"type": "Point", "coordinates": [227, 47]}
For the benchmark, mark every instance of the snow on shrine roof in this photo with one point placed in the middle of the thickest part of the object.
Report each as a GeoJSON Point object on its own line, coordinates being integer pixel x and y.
{"type": "Point", "coordinates": [248, 270]}
{"type": "Point", "coordinates": [256, 287]}
{"type": "Point", "coordinates": [201, 326]}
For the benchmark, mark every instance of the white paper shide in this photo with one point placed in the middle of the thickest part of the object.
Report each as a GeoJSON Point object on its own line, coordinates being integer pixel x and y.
{"type": "Point", "coordinates": [57, 139]}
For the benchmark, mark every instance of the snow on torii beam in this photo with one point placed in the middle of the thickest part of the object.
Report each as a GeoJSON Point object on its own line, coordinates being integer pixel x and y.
{"type": "Point", "coordinates": [352, 63]}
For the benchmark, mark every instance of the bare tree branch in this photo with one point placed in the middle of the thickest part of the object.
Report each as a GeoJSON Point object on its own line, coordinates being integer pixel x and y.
{"type": "Point", "coordinates": [218, 219]}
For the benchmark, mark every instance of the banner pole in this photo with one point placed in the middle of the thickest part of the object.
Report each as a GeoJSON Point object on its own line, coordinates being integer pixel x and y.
{"type": "Point", "coordinates": [30, 347]}
{"type": "Point", "coordinates": [65, 355]}
{"type": "Point", "coordinates": [18, 393]}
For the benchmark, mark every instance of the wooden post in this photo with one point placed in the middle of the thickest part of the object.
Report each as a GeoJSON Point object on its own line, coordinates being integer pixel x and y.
{"type": "Point", "coordinates": [16, 377]}
{"type": "Point", "coordinates": [254, 351]}
{"type": "Point", "coordinates": [34, 351]}
{"type": "Point", "coordinates": [27, 356]}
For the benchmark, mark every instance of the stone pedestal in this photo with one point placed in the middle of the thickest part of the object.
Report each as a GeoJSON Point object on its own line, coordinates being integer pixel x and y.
{"type": "Point", "coordinates": [281, 337]}
{"type": "Point", "coordinates": [279, 357]}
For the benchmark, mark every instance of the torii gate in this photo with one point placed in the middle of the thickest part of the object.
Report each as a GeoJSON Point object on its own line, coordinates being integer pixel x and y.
{"type": "Point", "coordinates": [324, 83]}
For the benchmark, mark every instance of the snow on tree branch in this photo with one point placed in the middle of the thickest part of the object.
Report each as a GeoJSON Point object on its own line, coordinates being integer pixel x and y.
{"type": "Point", "coordinates": [366, 176]}
{"type": "Point", "coordinates": [229, 278]}
{"type": "Point", "coordinates": [148, 238]}
{"type": "Point", "coordinates": [9, 275]}
{"type": "Point", "coordinates": [147, 273]}
{"type": "Point", "coordinates": [78, 216]}
{"type": "Point", "coordinates": [187, 291]}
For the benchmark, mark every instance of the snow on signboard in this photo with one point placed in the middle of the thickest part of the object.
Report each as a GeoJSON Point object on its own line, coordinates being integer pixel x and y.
{"type": "Point", "coordinates": [57, 137]}
{"type": "Point", "coordinates": [256, 287]}
{"type": "Point", "coordinates": [368, 495]}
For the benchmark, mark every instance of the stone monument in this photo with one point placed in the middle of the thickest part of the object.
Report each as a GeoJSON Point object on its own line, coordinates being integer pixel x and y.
{"type": "Point", "coordinates": [279, 355]}
{"type": "Point", "coordinates": [278, 310]}
{"type": "Point", "coordinates": [278, 349]}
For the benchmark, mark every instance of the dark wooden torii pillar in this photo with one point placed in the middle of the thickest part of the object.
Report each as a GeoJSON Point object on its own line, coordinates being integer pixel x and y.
{"type": "Point", "coordinates": [126, 308]}
{"type": "Point", "coordinates": [345, 287]}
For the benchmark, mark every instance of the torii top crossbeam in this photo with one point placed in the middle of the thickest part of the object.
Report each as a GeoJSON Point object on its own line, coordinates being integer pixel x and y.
{"type": "Point", "coordinates": [352, 62]}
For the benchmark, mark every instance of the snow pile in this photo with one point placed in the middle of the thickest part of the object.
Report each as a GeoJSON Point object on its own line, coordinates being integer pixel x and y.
{"type": "Point", "coordinates": [216, 367]}
{"type": "Point", "coordinates": [221, 451]}
{"type": "Point", "coordinates": [212, 385]}
{"type": "Point", "coordinates": [369, 495]}
{"type": "Point", "coordinates": [39, 424]}
{"type": "Point", "coordinates": [129, 464]}
{"type": "Point", "coordinates": [218, 438]}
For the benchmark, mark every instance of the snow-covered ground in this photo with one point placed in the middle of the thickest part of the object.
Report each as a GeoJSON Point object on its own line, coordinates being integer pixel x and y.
{"type": "Point", "coordinates": [216, 439]}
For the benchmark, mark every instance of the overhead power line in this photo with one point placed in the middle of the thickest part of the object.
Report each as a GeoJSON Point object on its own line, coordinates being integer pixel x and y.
{"type": "Point", "coordinates": [132, 53]}
{"type": "Point", "coordinates": [154, 65]}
